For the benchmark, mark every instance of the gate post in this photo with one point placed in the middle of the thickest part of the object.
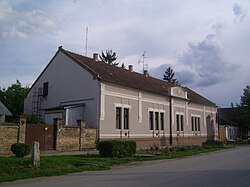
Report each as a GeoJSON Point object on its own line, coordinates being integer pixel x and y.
{"type": "Point", "coordinates": [59, 124]}
{"type": "Point", "coordinates": [35, 156]}
{"type": "Point", "coordinates": [81, 133]}
{"type": "Point", "coordinates": [21, 130]}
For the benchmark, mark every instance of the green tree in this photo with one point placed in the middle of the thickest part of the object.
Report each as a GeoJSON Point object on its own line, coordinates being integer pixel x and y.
{"type": "Point", "coordinates": [109, 57]}
{"type": "Point", "coordinates": [13, 97]}
{"type": "Point", "coordinates": [169, 76]}
{"type": "Point", "coordinates": [242, 112]}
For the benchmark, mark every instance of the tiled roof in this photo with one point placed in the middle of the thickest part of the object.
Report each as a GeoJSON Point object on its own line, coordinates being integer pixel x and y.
{"type": "Point", "coordinates": [119, 76]}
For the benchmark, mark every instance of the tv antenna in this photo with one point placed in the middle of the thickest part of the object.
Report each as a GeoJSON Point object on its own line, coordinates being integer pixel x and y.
{"type": "Point", "coordinates": [143, 61]}
{"type": "Point", "coordinates": [86, 41]}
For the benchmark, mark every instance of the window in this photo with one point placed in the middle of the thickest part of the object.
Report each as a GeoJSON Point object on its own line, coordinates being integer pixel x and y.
{"type": "Point", "coordinates": [192, 122]}
{"type": "Point", "coordinates": [151, 122]}
{"type": "Point", "coordinates": [126, 118]}
{"type": "Point", "coordinates": [156, 120]}
{"type": "Point", "coordinates": [199, 124]}
{"type": "Point", "coordinates": [196, 123]}
{"type": "Point", "coordinates": [45, 88]}
{"type": "Point", "coordinates": [118, 117]}
{"type": "Point", "coordinates": [162, 121]}
{"type": "Point", "coordinates": [179, 122]}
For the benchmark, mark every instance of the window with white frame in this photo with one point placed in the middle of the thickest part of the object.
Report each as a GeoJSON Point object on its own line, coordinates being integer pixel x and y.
{"type": "Point", "coordinates": [195, 123]}
{"type": "Point", "coordinates": [156, 120]}
{"type": "Point", "coordinates": [179, 122]}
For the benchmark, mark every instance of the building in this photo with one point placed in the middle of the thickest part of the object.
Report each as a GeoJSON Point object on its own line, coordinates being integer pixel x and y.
{"type": "Point", "coordinates": [120, 103]}
{"type": "Point", "coordinates": [4, 111]}
{"type": "Point", "coordinates": [228, 128]}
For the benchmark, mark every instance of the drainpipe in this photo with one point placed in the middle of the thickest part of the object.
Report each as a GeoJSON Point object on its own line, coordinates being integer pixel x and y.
{"type": "Point", "coordinates": [170, 118]}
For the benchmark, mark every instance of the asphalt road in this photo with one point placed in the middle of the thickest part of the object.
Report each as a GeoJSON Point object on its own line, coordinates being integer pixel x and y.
{"type": "Point", "coordinates": [224, 168]}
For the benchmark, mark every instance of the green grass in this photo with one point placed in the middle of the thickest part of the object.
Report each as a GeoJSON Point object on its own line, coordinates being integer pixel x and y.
{"type": "Point", "coordinates": [13, 168]}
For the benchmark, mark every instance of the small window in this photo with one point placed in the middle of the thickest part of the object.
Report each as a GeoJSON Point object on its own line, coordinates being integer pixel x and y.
{"type": "Point", "coordinates": [196, 122]}
{"type": "Point", "coordinates": [192, 122]}
{"type": "Point", "coordinates": [156, 120]}
{"type": "Point", "coordinates": [199, 124]}
{"type": "Point", "coordinates": [45, 89]}
{"type": "Point", "coordinates": [177, 122]}
{"type": "Point", "coordinates": [181, 122]}
{"type": "Point", "coordinates": [151, 122]}
{"type": "Point", "coordinates": [118, 118]}
{"type": "Point", "coordinates": [126, 118]}
{"type": "Point", "coordinates": [162, 121]}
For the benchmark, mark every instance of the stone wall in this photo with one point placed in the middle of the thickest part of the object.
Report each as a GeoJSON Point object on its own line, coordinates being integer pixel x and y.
{"type": "Point", "coordinates": [11, 133]}
{"type": "Point", "coordinates": [75, 138]}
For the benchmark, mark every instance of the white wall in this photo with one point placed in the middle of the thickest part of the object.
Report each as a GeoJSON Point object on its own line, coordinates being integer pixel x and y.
{"type": "Point", "coordinates": [69, 84]}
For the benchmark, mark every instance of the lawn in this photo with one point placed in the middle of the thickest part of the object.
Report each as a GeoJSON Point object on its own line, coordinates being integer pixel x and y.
{"type": "Point", "coordinates": [13, 168]}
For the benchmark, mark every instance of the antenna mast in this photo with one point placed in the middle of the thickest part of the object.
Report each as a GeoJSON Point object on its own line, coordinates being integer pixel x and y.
{"type": "Point", "coordinates": [86, 40]}
{"type": "Point", "coordinates": [143, 61]}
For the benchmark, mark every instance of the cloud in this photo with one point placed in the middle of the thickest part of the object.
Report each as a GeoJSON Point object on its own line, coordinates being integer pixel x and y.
{"type": "Point", "coordinates": [207, 61]}
{"type": "Point", "coordinates": [21, 24]}
{"type": "Point", "coordinates": [238, 12]}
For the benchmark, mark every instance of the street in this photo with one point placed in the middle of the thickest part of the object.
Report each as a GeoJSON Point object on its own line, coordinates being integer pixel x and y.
{"type": "Point", "coordinates": [223, 168]}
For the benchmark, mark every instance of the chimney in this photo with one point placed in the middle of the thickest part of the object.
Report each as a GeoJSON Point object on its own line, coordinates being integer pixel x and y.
{"type": "Point", "coordinates": [95, 56]}
{"type": "Point", "coordinates": [130, 68]}
{"type": "Point", "coordinates": [174, 82]}
{"type": "Point", "coordinates": [145, 72]}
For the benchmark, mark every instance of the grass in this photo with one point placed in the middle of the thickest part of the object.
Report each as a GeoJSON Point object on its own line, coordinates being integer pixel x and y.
{"type": "Point", "coordinates": [13, 168]}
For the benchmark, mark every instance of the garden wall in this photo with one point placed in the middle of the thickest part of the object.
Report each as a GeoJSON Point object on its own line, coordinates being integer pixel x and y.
{"type": "Point", "coordinates": [11, 133]}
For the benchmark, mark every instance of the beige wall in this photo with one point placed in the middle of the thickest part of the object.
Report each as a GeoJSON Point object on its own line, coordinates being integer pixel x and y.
{"type": "Point", "coordinates": [139, 104]}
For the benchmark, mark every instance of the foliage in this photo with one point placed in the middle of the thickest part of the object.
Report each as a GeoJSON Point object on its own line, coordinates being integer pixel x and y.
{"type": "Point", "coordinates": [242, 112]}
{"type": "Point", "coordinates": [109, 57]}
{"type": "Point", "coordinates": [20, 149]}
{"type": "Point", "coordinates": [13, 97]}
{"type": "Point", "coordinates": [116, 148]}
{"type": "Point", "coordinates": [169, 75]}
{"type": "Point", "coordinates": [34, 118]}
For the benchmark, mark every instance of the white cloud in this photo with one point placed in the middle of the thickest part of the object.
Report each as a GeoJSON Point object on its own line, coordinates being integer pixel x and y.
{"type": "Point", "coordinates": [20, 25]}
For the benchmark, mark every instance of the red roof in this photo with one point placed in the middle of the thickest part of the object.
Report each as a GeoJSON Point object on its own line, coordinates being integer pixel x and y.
{"type": "Point", "coordinates": [119, 76]}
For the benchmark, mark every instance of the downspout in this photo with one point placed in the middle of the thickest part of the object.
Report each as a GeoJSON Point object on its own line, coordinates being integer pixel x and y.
{"type": "Point", "coordinates": [170, 118]}
{"type": "Point", "coordinates": [99, 112]}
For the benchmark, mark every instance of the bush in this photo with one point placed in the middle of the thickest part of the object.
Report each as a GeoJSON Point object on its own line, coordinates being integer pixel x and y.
{"type": "Point", "coordinates": [213, 143]}
{"type": "Point", "coordinates": [182, 148]}
{"type": "Point", "coordinates": [34, 118]}
{"type": "Point", "coordinates": [20, 149]}
{"type": "Point", "coordinates": [117, 148]}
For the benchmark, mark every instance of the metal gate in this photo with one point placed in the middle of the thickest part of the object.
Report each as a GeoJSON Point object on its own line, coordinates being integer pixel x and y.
{"type": "Point", "coordinates": [43, 133]}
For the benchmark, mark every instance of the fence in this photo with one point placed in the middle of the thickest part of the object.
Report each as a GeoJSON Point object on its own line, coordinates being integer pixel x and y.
{"type": "Point", "coordinates": [51, 137]}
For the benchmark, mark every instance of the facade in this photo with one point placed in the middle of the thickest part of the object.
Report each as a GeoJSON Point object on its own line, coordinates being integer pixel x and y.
{"type": "Point", "coordinates": [4, 111]}
{"type": "Point", "coordinates": [228, 128]}
{"type": "Point", "coordinates": [120, 103]}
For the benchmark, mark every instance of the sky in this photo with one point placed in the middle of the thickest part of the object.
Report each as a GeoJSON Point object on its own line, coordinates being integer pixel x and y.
{"type": "Point", "coordinates": [207, 43]}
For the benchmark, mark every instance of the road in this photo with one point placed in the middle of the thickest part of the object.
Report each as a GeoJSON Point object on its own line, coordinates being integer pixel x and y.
{"type": "Point", "coordinates": [223, 168]}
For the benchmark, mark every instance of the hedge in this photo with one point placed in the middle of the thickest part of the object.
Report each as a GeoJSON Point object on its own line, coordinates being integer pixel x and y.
{"type": "Point", "coordinates": [20, 149]}
{"type": "Point", "coordinates": [117, 148]}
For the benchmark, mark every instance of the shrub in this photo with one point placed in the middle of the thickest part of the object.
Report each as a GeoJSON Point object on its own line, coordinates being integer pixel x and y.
{"type": "Point", "coordinates": [117, 148]}
{"type": "Point", "coordinates": [20, 149]}
{"type": "Point", "coordinates": [34, 118]}
{"type": "Point", "coordinates": [181, 148]}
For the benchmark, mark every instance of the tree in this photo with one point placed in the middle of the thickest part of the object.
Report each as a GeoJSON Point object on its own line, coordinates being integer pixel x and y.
{"type": "Point", "coordinates": [13, 97]}
{"type": "Point", "coordinates": [109, 57]}
{"type": "Point", "coordinates": [242, 112]}
{"type": "Point", "coordinates": [168, 76]}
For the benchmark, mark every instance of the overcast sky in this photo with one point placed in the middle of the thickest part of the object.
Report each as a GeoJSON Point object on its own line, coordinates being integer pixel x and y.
{"type": "Point", "coordinates": [207, 42]}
